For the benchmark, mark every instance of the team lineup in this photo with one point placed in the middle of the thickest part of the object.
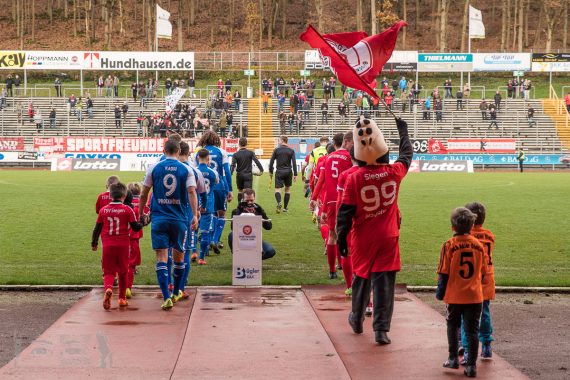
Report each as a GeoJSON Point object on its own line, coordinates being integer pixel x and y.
{"type": "Point", "coordinates": [353, 195]}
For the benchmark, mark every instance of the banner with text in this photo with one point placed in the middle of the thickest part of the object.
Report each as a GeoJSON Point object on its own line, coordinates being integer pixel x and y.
{"type": "Point", "coordinates": [481, 145]}
{"type": "Point", "coordinates": [501, 61]}
{"type": "Point", "coordinates": [551, 62]}
{"type": "Point", "coordinates": [445, 62]}
{"type": "Point", "coordinates": [8, 144]}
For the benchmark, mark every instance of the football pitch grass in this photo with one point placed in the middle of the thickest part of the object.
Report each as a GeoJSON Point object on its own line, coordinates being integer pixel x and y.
{"type": "Point", "coordinates": [46, 220]}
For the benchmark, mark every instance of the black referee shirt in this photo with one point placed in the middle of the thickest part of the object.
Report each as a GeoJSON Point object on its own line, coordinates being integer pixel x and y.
{"type": "Point", "coordinates": [284, 159]}
{"type": "Point", "coordinates": [242, 161]}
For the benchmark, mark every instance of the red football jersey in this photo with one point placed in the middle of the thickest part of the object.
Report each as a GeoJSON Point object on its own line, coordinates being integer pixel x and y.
{"type": "Point", "coordinates": [335, 164]}
{"type": "Point", "coordinates": [116, 218]}
{"type": "Point", "coordinates": [316, 172]}
{"type": "Point", "coordinates": [342, 183]}
{"type": "Point", "coordinates": [373, 189]}
{"type": "Point", "coordinates": [102, 200]}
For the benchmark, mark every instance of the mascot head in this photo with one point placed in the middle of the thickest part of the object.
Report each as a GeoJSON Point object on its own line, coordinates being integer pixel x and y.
{"type": "Point", "coordinates": [370, 148]}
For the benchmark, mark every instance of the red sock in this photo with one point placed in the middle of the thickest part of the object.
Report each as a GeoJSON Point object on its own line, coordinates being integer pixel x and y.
{"type": "Point", "coordinates": [108, 280]}
{"type": "Point", "coordinates": [122, 285]}
{"type": "Point", "coordinates": [347, 270]}
{"type": "Point", "coordinates": [131, 277]}
{"type": "Point", "coordinates": [324, 232]}
{"type": "Point", "coordinates": [331, 257]}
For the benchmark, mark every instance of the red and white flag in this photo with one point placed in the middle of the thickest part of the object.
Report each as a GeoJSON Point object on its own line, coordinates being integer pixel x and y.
{"type": "Point", "coordinates": [355, 58]}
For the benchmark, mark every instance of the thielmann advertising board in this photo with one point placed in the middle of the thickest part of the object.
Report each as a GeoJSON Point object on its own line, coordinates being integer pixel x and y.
{"type": "Point", "coordinates": [96, 60]}
{"type": "Point", "coordinates": [501, 61]}
{"type": "Point", "coordinates": [442, 62]}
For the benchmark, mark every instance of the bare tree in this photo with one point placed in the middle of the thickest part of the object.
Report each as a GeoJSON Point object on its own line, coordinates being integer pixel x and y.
{"type": "Point", "coordinates": [520, 26]}
{"type": "Point", "coordinates": [525, 27]}
{"type": "Point", "coordinates": [33, 20]}
{"type": "Point", "coordinates": [443, 25]}
{"type": "Point", "coordinates": [464, 31]}
{"type": "Point", "coordinates": [272, 13]}
{"type": "Point", "coordinates": [553, 12]}
{"type": "Point", "coordinates": [192, 12]}
{"type": "Point", "coordinates": [283, 18]}
{"type": "Point", "coordinates": [404, 17]}
{"type": "Point", "coordinates": [514, 23]}
{"type": "Point", "coordinates": [359, 15]}
{"type": "Point", "coordinates": [93, 7]}
{"type": "Point", "coordinates": [319, 9]}
{"type": "Point", "coordinates": [416, 26]}
{"type": "Point", "coordinates": [373, 21]}
{"type": "Point", "coordinates": [74, 18]}
{"type": "Point", "coordinates": [232, 21]}
{"type": "Point", "coordinates": [50, 11]}
{"type": "Point", "coordinates": [252, 16]}
{"type": "Point", "coordinates": [504, 10]}
{"type": "Point", "coordinates": [180, 40]}
{"type": "Point", "coordinates": [14, 10]}
{"type": "Point", "coordinates": [212, 24]}
{"type": "Point", "coordinates": [539, 26]}
{"type": "Point", "coordinates": [508, 40]}
{"type": "Point", "coordinates": [565, 27]}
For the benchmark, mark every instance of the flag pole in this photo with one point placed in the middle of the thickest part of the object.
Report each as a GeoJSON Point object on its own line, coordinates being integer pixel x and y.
{"type": "Point", "coordinates": [469, 51]}
{"type": "Point", "coordinates": [156, 38]}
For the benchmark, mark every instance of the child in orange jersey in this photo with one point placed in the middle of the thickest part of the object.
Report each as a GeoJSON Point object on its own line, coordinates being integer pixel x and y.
{"type": "Point", "coordinates": [462, 265]}
{"type": "Point", "coordinates": [486, 238]}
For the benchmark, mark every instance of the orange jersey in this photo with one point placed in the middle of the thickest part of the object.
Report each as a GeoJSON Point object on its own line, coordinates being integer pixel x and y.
{"type": "Point", "coordinates": [463, 259]}
{"type": "Point", "coordinates": [487, 238]}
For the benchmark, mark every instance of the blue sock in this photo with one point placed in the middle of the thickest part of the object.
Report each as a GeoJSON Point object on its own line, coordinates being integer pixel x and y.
{"type": "Point", "coordinates": [162, 278]}
{"type": "Point", "coordinates": [213, 226]}
{"type": "Point", "coordinates": [204, 243]}
{"type": "Point", "coordinates": [220, 224]}
{"type": "Point", "coordinates": [194, 245]}
{"type": "Point", "coordinates": [186, 270]}
{"type": "Point", "coordinates": [169, 266]}
{"type": "Point", "coordinates": [178, 274]}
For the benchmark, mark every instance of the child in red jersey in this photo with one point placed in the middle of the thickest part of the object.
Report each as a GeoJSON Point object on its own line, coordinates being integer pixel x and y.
{"type": "Point", "coordinates": [462, 266]}
{"type": "Point", "coordinates": [135, 252]}
{"type": "Point", "coordinates": [114, 225]}
{"type": "Point", "coordinates": [104, 198]}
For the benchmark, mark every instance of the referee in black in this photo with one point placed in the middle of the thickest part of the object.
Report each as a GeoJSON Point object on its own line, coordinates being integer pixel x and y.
{"type": "Point", "coordinates": [285, 173]}
{"type": "Point", "coordinates": [242, 163]}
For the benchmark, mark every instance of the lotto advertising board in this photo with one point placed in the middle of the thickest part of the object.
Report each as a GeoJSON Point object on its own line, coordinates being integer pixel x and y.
{"type": "Point", "coordinates": [85, 164]}
{"type": "Point", "coordinates": [436, 166]}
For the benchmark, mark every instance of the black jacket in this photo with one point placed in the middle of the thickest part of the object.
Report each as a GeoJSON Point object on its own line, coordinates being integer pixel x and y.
{"type": "Point", "coordinates": [285, 158]}
{"type": "Point", "coordinates": [255, 209]}
{"type": "Point", "coordinates": [242, 161]}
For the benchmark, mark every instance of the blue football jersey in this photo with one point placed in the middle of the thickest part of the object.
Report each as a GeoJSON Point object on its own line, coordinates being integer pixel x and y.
{"type": "Point", "coordinates": [220, 163]}
{"type": "Point", "coordinates": [169, 180]}
{"type": "Point", "coordinates": [211, 178]}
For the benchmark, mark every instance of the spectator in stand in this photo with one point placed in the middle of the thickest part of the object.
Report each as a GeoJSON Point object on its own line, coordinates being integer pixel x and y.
{"type": "Point", "coordinates": [439, 111]}
{"type": "Point", "coordinates": [125, 109]}
{"type": "Point", "coordinates": [493, 115]}
{"type": "Point", "coordinates": [427, 109]}
{"type": "Point", "coordinates": [375, 105]}
{"type": "Point", "coordinates": [388, 99]}
{"type": "Point", "coordinates": [168, 86]}
{"type": "Point", "coordinates": [117, 116]}
{"type": "Point", "coordinates": [448, 87]}
{"type": "Point", "coordinates": [567, 102]}
{"type": "Point", "coordinates": [135, 90]}
{"type": "Point", "coordinates": [365, 106]}
{"type": "Point", "coordinates": [79, 107]}
{"type": "Point", "coordinates": [324, 112]}
{"type": "Point", "coordinates": [100, 83]}
{"type": "Point", "coordinates": [142, 94]}
{"type": "Point", "coordinates": [116, 86]}
{"type": "Point", "coordinates": [282, 122]}
{"type": "Point", "coordinates": [191, 86]}
{"type": "Point", "coordinates": [280, 102]}
{"type": "Point", "coordinates": [395, 85]}
{"type": "Point", "coordinates": [332, 83]}
{"type": "Point", "coordinates": [89, 107]}
{"type": "Point", "coordinates": [71, 104]}
{"type": "Point", "coordinates": [17, 82]}
{"type": "Point", "coordinates": [3, 97]}
{"type": "Point", "coordinates": [411, 99]}
{"type": "Point", "coordinates": [459, 96]}
{"type": "Point", "coordinates": [358, 104]}
{"type": "Point", "coordinates": [292, 119]}
{"type": "Point", "coordinates": [230, 121]}
{"type": "Point", "coordinates": [237, 100]}
{"type": "Point", "coordinates": [220, 85]}
{"type": "Point", "coordinates": [228, 85]}
{"type": "Point", "coordinates": [404, 100]}
{"type": "Point", "coordinates": [108, 85]}
{"type": "Point", "coordinates": [9, 84]}
{"type": "Point", "coordinates": [52, 118]}
{"type": "Point", "coordinates": [39, 121]}
{"type": "Point", "coordinates": [498, 99]}
{"type": "Point", "coordinates": [510, 89]}
{"type": "Point", "coordinates": [527, 88]}
{"type": "Point", "coordinates": [228, 100]}
{"type": "Point", "coordinates": [57, 85]}
{"type": "Point", "coordinates": [483, 107]}
{"type": "Point", "coordinates": [530, 116]}
{"type": "Point", "coordinates": [223, 124]}
{"type": "Point", "coordinates": [327, 91]}
{"type": "Point", "coordinates": [467, 91]}
{"type": "Point", "coordinates": [342, 111]}
{"type": "Point", "coordinates": [403, 85]}
{"type": "Point", "coordinates": [20, 112]}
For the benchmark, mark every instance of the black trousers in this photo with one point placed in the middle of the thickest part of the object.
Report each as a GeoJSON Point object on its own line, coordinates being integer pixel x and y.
{"type": "Point", "coordinates": [471, 314]}
{"type": "Point", "coordinates": [521, 165]}
{"type": "Point", "coordinates": [382, 284]}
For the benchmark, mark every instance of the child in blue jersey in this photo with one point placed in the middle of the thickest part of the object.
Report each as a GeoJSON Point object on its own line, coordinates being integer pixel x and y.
{"type": "Point", "coordinates": [174, 203]}
{"type": "Point", "coordinates": [222, 191]}
{"type": "Point", "coordinates": [206, 202]}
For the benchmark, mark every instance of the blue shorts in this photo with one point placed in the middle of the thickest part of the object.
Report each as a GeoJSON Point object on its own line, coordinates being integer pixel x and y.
{"type": "Point", "coordinates": [166, 233]}
{"type": "Point", "coordinates": [220, 203]}
{"type": "Point", "coordinates": [206, 222]}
